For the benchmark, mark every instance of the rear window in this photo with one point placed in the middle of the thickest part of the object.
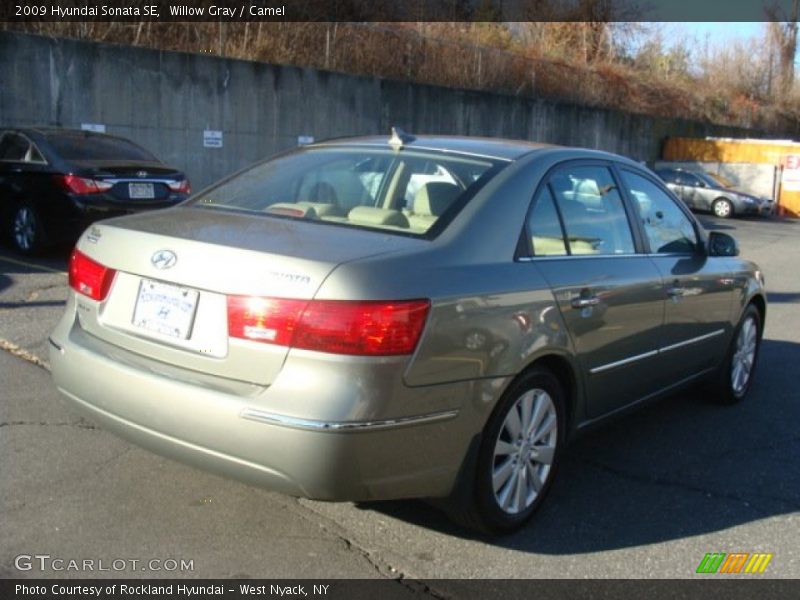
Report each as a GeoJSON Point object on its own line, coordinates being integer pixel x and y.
{"type": "Point", "coordinates": [402, 191]}
{"type": "Point", "coordinates": [96, 147]}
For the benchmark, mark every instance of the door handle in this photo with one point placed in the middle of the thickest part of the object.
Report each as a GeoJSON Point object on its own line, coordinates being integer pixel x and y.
{"type": "Point", "coordinates": [584, 301]}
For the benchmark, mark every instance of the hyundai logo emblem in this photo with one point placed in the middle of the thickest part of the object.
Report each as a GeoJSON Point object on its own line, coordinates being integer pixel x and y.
{"type": "Point", "coordinates": [164, 259]}
{"type": "Point", "coordinates": [141, 174]}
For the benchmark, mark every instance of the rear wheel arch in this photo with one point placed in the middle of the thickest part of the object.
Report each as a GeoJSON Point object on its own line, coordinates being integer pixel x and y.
{"type": "Point", "coordinates": [761, 305]}
{"type": "Point", "coordinates": [565, 371]}
{"type": "Point", "coordinates": [566, 374]}
{"type": "Point", "coordinates": [547, 382]}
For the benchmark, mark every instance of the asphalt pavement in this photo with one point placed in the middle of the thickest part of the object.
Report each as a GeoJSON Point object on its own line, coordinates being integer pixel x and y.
{"type": "Point", "coordinates": [645, 496]}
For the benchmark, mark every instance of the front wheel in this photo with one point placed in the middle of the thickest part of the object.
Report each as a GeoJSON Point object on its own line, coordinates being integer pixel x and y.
{"type": "Point", "coordinates": [722, 208]}
{"type": "Point", "coordinates": [736, 374]}
{"type": "Point", "coordinates": [517, 457]}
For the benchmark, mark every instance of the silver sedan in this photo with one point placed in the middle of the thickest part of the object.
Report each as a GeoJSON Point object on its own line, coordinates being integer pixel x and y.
{"type": "Point", "coordinates": [404, 317]}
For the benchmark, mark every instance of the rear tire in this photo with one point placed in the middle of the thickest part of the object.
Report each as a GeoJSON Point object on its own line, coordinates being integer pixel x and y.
{"type": "Point", "coordinates": [26, 232]}
{"type": "Point", "coordinates": [517, 457]}
{"type": "Point", "coordinates": [736, 373]}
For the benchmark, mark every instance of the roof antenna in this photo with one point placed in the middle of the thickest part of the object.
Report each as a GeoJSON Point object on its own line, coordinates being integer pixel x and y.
{"type": "Point", "coordinates": [399, 138]}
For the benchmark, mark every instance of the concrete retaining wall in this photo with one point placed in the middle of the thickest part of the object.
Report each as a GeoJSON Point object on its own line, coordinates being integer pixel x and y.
{"type": "Point", "coordinates": [166, 100]}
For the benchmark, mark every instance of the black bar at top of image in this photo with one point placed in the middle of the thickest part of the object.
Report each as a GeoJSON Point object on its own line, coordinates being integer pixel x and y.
{"type": "Point", "coordinates": [713, 588]}
{"type": "Point", "coordinates": [391, 10]}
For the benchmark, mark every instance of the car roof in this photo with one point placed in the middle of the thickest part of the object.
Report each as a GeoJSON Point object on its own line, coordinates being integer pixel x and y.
{"type": "Point", "coordinates": [496, 148]}
{"type": "Point", "coordinates": [48, 132]}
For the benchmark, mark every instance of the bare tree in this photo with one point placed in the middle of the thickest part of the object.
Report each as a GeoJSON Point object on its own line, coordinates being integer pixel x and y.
{"type": "Point", "coordinates": [783, 34]}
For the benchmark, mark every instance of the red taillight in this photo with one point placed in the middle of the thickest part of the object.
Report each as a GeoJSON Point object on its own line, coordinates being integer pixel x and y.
{"type": "Point", "coordinates": [81, 185]}
{"type": "Point", "coordinates": [88, 277]}
{"type": "Point", "coordinates": [268, 320]}
{"type": "Point", "coordinates": [339, 327]}
{"type": "Point", "coordinates": [368, 328]}
{"type": "Point", "coordinates": [183, 186]}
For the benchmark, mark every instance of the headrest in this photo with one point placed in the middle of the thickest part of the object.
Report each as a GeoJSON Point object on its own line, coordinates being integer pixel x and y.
{"type": "Point", "coordinates": [370, 215]}
{"type": "Point", "coordinates": [435, 197]}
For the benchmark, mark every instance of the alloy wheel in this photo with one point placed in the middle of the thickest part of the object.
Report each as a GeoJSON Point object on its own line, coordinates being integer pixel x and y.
{"type": "Point", "coordinates": [744, 355]}
{"type": "Point", "coordinates": [524, 451]}
{"type": "Point", "coordinates": [722, 208]}
{"type": "Point", "coordinates": [24, 228]}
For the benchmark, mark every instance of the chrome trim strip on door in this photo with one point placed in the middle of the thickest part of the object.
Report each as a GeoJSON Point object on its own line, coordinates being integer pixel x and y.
{"type": "Point", "coordinates": [624, 361]}
{"type": "Point", "coordinates": [550, 257]}
{"type": "Point", "coordinates": [631, 359]}
{"type": "Point", "coordinates": [253, 414]}
{"type": "Point", "coordinates": [699, 338]}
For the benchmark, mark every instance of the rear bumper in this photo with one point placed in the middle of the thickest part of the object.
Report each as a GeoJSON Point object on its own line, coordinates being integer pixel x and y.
{"type": "Point", "coordinates": [764, 209]}
{"type": "Point", "coordinates": [243, 437]}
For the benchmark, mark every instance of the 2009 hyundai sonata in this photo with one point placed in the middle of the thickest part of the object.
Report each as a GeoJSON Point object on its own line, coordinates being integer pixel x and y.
{"type": "Point", "coordinates": [403, 317]}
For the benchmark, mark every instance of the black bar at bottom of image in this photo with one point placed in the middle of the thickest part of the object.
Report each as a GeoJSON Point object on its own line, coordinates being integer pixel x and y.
{"type": "Point", "coordinates": [391, 589]}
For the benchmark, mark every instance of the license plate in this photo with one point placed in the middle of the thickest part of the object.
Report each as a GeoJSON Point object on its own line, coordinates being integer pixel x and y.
{"type": "Point", "coordinates": [166, 309]}
{"type": "Point", "coordinates": [141, 190]}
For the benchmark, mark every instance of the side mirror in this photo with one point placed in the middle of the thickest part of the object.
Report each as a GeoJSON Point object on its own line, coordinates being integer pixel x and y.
{"type": "Point", "coordinates": [722, 244]}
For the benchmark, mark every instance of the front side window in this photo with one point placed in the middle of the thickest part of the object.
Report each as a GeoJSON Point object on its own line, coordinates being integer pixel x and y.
{"type": "Point", "coordinates": [406, 191]}
{"type": "Point", "coordinates": [668, 176]}
{"type": "Point", "coordinates": [690, 180]}
{"type": "Point", "coordinates": [667, 227]}
{"type": "Point", "coordinates": [592, 210]}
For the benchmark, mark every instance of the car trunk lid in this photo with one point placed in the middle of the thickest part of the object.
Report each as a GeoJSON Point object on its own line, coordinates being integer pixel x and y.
{"type": "Point", "coordinates": [192, 260]}
{"type": "Point", "coordinates": [141, 181]}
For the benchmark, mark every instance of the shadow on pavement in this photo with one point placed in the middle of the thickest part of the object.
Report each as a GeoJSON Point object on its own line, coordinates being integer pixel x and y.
{"type": "Point", "coordinates": [787, 297]}
{"type": "Point", "coordinates": [55, 260]}
{"type": "Point", "coordinates": [681, 467]}
{"type": "Point", "coordinates": [26, 305]}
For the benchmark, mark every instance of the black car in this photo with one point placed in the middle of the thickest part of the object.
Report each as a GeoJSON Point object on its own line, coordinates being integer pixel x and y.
{"type": "Point", "coordinates": [703, 191]}
{"type": "Point", "coordinates": [55, 182]}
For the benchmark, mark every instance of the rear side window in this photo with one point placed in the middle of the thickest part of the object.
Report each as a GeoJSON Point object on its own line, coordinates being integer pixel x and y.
{"type": "Point", "coordinates": [97, 147]}
{"type": "Point", "coordinates": [405, 191]}
{"type": "Point", "coordinates": [667, 227]}
{"type": "Point", "coordinates": [13, 147]}
{"type": "Point", "coordinates": [592, 210]}
{"type": "Point", "coordinates": [547, 237]}
{"type": "Point", "coordinates": [18, 148]}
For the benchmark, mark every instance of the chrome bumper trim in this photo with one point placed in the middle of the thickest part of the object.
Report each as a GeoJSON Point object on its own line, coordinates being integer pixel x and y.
{"type": "Point", "coordinates": [260, 416]}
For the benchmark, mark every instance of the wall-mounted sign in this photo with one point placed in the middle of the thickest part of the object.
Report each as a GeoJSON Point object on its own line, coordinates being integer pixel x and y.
{"type": "Point", "coordinates": [302, 140]}
{"type": "Point", "coordinates": [98, 127]}
{"type": "Point", "coordinates": [212, 138]}
{"type": "Point", "coordinates": [790, 180]}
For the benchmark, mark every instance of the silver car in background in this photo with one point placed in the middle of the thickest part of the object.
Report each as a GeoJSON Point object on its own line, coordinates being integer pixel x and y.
{"type": "Point", "coordinates": [383, 318]}
{"type": "Point", "coordinates": [707, 192]}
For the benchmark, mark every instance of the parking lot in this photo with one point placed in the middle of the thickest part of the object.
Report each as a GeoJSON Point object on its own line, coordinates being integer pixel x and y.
{"type": "Point", "coordinates": [646, 496]}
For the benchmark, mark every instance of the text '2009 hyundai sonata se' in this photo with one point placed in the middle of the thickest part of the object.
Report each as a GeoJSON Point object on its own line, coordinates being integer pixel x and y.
{"type": "Point", "coordinates": [403, 317]}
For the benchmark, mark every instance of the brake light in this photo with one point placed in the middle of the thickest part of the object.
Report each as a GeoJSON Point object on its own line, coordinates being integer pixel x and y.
{"type": "Point", "coordinates": [183, 186]}
{"type": "Point", "coordinates": [88, 277]}
{"type": "Point", "coordinates": [267, 320]}
{"type": "Point", "coordinates": [81, 185]}
{"type": "Point", "coordinates": [335, 326]}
